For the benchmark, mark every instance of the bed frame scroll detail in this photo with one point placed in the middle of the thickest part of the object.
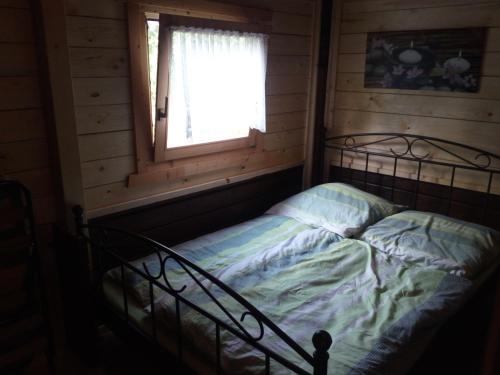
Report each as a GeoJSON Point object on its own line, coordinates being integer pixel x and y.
{"type": "Point", "coordinates": [419, 151]}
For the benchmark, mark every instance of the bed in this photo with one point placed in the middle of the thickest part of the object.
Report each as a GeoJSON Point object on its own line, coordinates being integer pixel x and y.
{"type": "Point", "coordinates": [333, 280]}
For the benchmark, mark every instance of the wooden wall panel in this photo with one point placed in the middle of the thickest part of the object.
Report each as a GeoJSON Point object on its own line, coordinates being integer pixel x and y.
{"type": "Point", "coordinates": [99, 62]}
{"type": "Point", "coordinates": [38, 181]}
{"type": "Point", "coordinates": [191, 216]}
{"type": "Point", "coordinates": [279, 104]}
{"type": "Point", "coordinates": [218, 164]}
{"type": "Point", "coordinates": [19, 92]}
{"type": "Point", "coordinates": [16, 25]}
{"type": "Point", "coordinates": [485, 134]}
{"type": "Point", "coordinates": [473, 14]}
{"type": "Point", "coordinates": [25, 155]}
{"type": "Point", "coordinates": [491, 64]}
{"type": "Point", "coordinates": [287, 65]}
{"type": "Point", "coordinates": [97, 8]}
{"type": "Point", "coordinates": [302, 7]}
{"type": "Point", "coordinates": [489, 89]}
{"type": "Point", "coordinates": [286, 84]}
{"type": "Point", "coordinates": [17, 59]}
{"type": "Point", "coordinates": [97, 33]}
{"type": "Point", "coordinates": [432, 106]}
{"type": "Point", "coordinates": [196, 214]}
{"type": "Point", "coordinates": [29, 125]}
{"type": "Point", "coordinates": [100, 91]}
{"type": "Point", "coordinates": [285, 121]}
{"type": "Point", "coordinates": [24, 150]}
{"type": "Point", "coordinates": [286, 23]}
{"type": "Point", "coordinates": [493, 40]}
{"type": "Point", "coordinates": [102, 172]}
{"type": "Point", "coordinates": [106, 145]}
{"type": "Point", "coordinates": [391, 5]}
{"type": "Point", "coordinates": [289, 45]}
{"type": "Point", "coordinates": [101, 119]}
{"type": "Point", "coordinates": [470, 118]}
{"type": "Point", "coordinates": [21, 4]}
{"type": "Point", "coordinates": [24, 145]}
{"type": "Point", "coordinates": [118, 196]}
{"type": "Point", "coordinates": [280, 140]}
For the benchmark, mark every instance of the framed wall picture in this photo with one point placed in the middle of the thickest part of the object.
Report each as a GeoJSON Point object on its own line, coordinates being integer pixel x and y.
{"type": "Point", "coordinates": [444, 60]}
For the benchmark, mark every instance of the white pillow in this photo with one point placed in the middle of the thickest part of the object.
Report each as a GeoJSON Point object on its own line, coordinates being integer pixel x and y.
{"type": "Point", "coordinates": [337, 207]}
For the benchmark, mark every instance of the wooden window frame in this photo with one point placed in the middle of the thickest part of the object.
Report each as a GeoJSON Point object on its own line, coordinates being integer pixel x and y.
{"type": "Point", "coordinates": [197, 13]}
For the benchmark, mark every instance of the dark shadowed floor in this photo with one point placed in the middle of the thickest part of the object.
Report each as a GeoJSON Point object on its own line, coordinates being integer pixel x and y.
{"type": "Point", "coordinates": [116, 358]}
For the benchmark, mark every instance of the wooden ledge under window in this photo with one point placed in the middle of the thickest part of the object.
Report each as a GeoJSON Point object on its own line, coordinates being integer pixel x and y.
{"type": "Point", "coordinates": [161, 172]}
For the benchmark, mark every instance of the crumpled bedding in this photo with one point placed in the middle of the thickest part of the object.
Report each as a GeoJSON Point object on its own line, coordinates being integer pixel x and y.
{"type": "Point", "coordinates": [379, 310]}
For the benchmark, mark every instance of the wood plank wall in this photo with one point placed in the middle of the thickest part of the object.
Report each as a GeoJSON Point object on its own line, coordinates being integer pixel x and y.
{"type": "Point", "coordinates": [191, 216]}
{"type": "Point", "coordinates": [24, 150]}
{"type": "Point", "coordinates": [470, 118]}
{"type": "Point", "coordinates": [97, 33]}
{"type": "Point", "coordinates": [26, 146]}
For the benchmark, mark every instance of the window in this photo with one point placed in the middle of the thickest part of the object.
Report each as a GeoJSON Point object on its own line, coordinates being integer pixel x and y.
{"type": "Point", "coordinates": [207, 87]}
{"type": "Point", "coordinates": [216, 87]}
{"type": "Point", "coordinates": [198, 82]}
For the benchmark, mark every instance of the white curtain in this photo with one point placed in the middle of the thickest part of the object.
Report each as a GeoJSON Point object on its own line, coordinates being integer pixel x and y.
{"type": "Point", "coordinates": [216, 85]}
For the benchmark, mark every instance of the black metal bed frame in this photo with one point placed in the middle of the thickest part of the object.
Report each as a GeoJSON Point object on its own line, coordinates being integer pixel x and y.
{"type": "Point", "coordinates": [23, 198]}
{"type": "Point", "coordinates": [103, 244]}
{"type": "Point", "coordinates": [35, 301]}
{"type": "Point", "coordinates": [100, 244]}
{"type": "Point", "coordinates": [477, 160]}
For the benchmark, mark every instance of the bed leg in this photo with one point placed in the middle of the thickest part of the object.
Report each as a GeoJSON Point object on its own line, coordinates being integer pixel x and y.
{"type": "Point", "coordinates": [86, 332]}
{"type": "Point", "coordinates": [78, 215]}
{"type": "Point", "coordinates": [322, 342]}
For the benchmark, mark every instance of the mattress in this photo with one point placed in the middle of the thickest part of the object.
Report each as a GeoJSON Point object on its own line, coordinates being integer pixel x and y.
{"type": "Point", "coordinates": [380, 311]}
{"type": "Point", "coordinates": [141, 319]}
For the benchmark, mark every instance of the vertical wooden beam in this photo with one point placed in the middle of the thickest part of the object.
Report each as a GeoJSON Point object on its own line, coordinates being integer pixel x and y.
{"type": "Point", "coordinates": [331, 79]}
{"type": "Point", "coordinates": [312, 97]}
{"type": "Point", "coordinates": [139, 74]}
{"type": "Point", "coordinates": [52, 17]}
{"type": "Point", "coordinates": [323, 32]}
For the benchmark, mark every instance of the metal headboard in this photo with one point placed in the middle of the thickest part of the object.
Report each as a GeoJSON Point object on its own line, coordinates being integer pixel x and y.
{"type": "Point", "coordinates": [397, 146]}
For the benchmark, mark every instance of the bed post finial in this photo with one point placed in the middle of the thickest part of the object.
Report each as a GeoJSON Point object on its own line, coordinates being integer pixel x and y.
{"type": "Point", "coordinates": [78, 214]}
{"type": "Point", "coordinates": [322, 342]}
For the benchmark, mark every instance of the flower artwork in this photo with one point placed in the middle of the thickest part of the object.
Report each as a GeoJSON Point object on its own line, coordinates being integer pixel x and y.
{"type": "Point", "coordinates": [444, 60]}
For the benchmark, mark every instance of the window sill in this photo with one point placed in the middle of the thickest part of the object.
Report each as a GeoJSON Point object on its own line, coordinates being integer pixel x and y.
{"type": "Point", "coordinates": [207, 148]}
{"type": "Point", "coordinates": [162, 169]}
{"type": "Point", "coordinates": [179, 192]}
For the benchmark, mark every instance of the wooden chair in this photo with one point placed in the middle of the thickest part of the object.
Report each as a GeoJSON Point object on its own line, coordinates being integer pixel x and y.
{"type": "Point", "coordinates": [23, 331]}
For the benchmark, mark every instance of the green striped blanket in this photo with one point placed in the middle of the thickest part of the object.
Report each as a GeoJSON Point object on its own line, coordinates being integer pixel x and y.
{"type": "Point", "coordinates": [377, 308]}
{"type": "Point", "coordinates": [436, 241]}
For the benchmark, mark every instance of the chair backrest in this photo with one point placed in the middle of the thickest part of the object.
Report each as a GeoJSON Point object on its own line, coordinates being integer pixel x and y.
{"type": "Point", "coordinates": [17, 251]}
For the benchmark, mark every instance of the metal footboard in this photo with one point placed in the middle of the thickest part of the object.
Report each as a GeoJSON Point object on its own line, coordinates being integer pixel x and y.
{"type": "Point", "coordinates": [109, 243]}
